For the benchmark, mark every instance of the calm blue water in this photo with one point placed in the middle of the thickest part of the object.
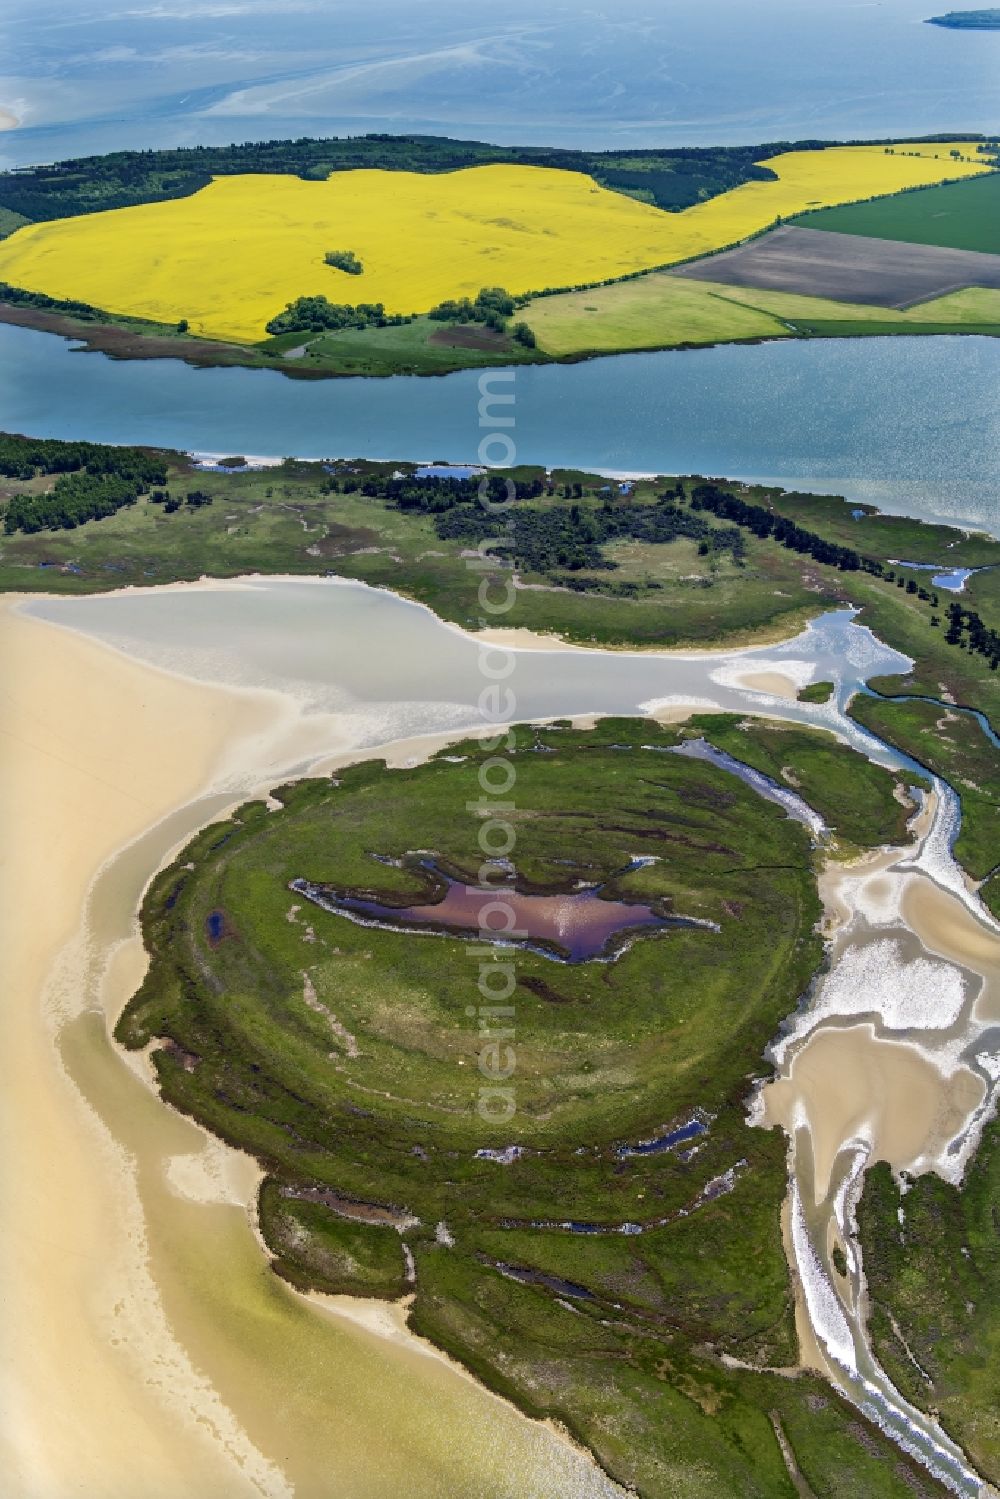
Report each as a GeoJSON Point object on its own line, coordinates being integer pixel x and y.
{"type": "Point", "coordinates": [909, 424]}
{"type": "Point", "coordinates": [86, 78]}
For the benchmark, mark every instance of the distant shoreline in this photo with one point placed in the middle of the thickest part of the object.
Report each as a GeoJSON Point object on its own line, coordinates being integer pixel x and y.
{"type": "Point", "coordinates": [967, 20]}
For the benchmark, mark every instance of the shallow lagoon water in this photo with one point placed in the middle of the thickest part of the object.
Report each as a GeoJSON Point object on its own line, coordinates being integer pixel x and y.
{"type": "Point", "coordinates": [342, 647]}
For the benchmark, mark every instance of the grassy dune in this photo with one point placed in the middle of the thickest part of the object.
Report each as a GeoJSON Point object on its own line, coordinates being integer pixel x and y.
{"type": "Point", "coordinates": [228, 258]}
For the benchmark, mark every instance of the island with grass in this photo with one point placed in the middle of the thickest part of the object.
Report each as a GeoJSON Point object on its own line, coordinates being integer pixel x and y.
{"type": "Point", "coordinates": [609, 1255]}
{"type": "Point", "coordinates": [582, 253]}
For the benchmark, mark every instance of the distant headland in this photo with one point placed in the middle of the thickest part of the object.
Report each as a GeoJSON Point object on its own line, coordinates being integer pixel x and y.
{"type": "Point", "coordinates": [968, 20]}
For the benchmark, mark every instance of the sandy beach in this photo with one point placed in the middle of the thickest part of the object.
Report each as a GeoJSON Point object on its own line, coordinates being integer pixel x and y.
{"type": "Point", "coordinates": [90, 756]}
{"type": "Point", "coordinates": [148, 1349]}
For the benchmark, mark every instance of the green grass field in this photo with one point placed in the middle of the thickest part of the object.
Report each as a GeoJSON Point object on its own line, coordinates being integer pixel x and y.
{"type": "Point", "coordinates": [421, 347]}
{"type": "Point", "coordinates": [662, 311]}
{"type": "Point", "coordinates": [961, 215]}
{"type": "Point", "coordinates": [345, 1058]}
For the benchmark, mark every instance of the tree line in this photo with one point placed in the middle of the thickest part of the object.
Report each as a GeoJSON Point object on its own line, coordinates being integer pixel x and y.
{"type": "Point", "coordinates": [764, 523]}
{"type": "Point", "coordinates": [673, 178]}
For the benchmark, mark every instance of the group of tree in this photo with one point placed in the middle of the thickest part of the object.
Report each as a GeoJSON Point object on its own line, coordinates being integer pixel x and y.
{"type": "Point", "coordinates": [73, 499]}
{"type": "Point", "coordinates": [435, 493]}
{"type": "Point", "coordinates": [492, 306]}
{"type": "Point", "coordinates": [344, 260]}
{"type": "Point", "coordinates": [572, 537]}
{"type": "Point", "coordinates": [94, 481]}
{"type": "Point", "coordinates": [966, 628]}
{"type": "Point", "coordinates": [319, 315]}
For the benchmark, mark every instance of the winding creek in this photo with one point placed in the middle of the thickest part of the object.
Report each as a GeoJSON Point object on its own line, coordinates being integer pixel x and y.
{"type": "Point", "coordinates": [893, 1055]}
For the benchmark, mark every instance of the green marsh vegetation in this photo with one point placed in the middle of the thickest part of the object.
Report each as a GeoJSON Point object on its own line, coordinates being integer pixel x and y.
{"type": "Point", "coordinates": [854, 797]}
{"type": "Point", "coordinates": [345, 1058]}
{"type": "Point", "coordinates": [933, 1275]}
{"type": "Point", "coordinates": [816, 692]}
{"type": "Point", "coordinates": [955, 745]}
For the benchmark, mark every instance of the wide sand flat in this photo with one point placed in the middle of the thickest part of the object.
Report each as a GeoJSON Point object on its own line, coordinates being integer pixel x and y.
{"type": "Point", "coordinates": [148, 1350]}
{"type": "Point", "coordinates": [89, 757]}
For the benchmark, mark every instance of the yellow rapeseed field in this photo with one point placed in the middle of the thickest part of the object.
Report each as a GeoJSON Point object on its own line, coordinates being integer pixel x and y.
{"type": "Point", "coordinates": [231, 256]}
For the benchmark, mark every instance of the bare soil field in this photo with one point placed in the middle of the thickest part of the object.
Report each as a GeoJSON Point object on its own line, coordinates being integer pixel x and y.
{"type": "Point", "coordinates": [847, 267]}
{"type": "Point", "coordinates": [464, 336]}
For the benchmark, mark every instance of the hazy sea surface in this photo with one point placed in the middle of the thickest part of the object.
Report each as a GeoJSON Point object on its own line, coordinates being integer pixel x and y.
{"type": "Point", "coordinates": [910, 424]}
{"type": "Point", "coordinates": [83, 78]}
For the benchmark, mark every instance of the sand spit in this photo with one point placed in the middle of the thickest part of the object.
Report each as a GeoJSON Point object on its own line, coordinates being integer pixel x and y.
{"type": "Point", "coordinates": [148, 1349]}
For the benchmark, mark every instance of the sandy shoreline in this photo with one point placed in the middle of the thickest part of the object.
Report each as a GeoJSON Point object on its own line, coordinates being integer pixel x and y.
{"type": "Point", "coordinates": [80, 777]}
{"type": "Point", "coordinates": [147, 1349]}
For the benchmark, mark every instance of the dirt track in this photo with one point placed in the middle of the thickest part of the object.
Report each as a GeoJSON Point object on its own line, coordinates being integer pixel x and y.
{"type": "Point", "coordinates": [847, 267]}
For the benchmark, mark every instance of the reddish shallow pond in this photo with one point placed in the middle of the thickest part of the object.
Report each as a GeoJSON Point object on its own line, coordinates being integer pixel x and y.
{"type": "Point", "coordinates": [571, 927]}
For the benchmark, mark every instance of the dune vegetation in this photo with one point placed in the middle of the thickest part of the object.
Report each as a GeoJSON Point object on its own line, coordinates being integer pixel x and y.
{"type": "Point", "coordinates": [227, 259]}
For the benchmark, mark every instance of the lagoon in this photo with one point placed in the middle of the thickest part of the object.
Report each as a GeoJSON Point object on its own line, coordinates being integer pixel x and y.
{"type": "Point", "coordinates": [909, 424]}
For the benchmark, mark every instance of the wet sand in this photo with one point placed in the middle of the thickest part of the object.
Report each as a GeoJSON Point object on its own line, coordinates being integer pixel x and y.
{"type": "Point", "coordinates": [888, 1061]}
{"type": "Point", "coordinates": [148, 1349]}
{"type": "Point", "coordinates": [774, 683]}
{"type": "Point", "coordinates": [848, 1084]}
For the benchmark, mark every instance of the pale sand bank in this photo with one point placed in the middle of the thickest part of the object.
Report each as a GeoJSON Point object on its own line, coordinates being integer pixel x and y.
{"type": "Point", "coordinates": [774, 683]}
{"type": "Point", "coordinates": [89, 756]}
{"type": "Point", "coordinates": [148, 1350]}
{"type": "Point", "coordinates": [848, 1084]}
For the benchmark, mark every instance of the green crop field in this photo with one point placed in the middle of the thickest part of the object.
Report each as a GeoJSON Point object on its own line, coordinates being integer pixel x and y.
{"type": "Point", "coordinates": [349, 1059]}
{"type": "Point", "coordinates": [961, 215]}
